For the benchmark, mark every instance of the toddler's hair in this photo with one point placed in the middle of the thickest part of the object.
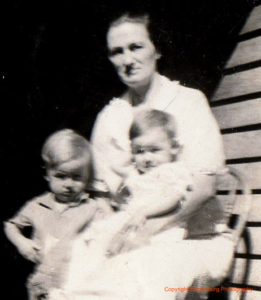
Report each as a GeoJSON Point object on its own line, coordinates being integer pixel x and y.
{"type": "Point", "coordinates": [66, 145]}
{"type": "Point", "coordinates": [146, 119]}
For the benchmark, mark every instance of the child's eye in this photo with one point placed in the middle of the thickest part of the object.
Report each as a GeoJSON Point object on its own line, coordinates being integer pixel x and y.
{"type": "Point", "coordinates": [77, 177]}
{"type": "Point", "coordinates": [139, 151]}
{"type": "Point", "coordinates": [60, 175]}
{"type": "Point", "coordinates": [153, 150]}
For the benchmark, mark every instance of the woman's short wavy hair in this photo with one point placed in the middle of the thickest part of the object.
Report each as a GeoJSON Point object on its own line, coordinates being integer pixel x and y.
{"type": "Point", "coordinates": [156, 34]}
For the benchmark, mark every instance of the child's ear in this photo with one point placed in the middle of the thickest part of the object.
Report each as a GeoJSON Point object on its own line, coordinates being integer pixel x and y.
{"type": "Point", "coordinates": [176, 147]}
{"type": "Point", "coordinates": [45, 173]}
{"type": "Point", "coordinates": [46, 176]}
{"type": "Point", "coordinates": [175, 151]}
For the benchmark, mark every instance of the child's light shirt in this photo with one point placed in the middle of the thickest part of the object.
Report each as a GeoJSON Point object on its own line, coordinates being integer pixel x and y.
{"type": "Point", "coordinates": [51, 223]}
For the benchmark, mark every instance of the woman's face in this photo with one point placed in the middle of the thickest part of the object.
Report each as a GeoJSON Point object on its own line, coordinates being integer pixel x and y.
{"type": "Point", "coordinates": [132, 53]}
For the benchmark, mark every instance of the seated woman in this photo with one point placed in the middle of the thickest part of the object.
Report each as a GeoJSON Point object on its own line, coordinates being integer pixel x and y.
{"type": "Point", "coordinates": [135, 56]}
{"type": "Point", "coordinates": [144, 272]}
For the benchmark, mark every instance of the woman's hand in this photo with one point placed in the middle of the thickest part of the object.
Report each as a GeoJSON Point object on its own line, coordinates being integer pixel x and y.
{"type": "Point", "coordinates": [134, 223]}
{"type": "Point", "coordinates": [128, 237]}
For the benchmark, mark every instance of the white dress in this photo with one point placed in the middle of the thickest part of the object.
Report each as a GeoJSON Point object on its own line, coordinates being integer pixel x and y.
{"type": "Point", "coordinates": [144, 273]}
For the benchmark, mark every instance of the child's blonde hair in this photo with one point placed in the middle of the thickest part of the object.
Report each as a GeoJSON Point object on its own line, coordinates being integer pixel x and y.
{"type": "Point", "coordinates": [66, 145]}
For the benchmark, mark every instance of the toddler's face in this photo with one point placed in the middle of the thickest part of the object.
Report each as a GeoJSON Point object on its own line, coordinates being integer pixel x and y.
{"type": "Point", "coordinates": [68, 180]}
{"type": "Point", "coordinates": [151, 149]}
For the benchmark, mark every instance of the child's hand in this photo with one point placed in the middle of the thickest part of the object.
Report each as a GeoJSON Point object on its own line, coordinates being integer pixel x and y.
{"type": "Point", "coordinates": [116, 244]}
{"type": "Point", "coordinates": [39, 285]}
{"type": "Point", "coordinates": [30, 250]}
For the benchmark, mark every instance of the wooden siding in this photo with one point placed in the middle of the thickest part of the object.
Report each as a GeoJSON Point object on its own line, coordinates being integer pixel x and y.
{"type": "Point", "coordinates": [237, 107]}
{"type": "Point", "coordinates": [241, 83]}
{"type": "Point", "coordinates": [246, 52]}
{"type": "Point", "coordinates": [253, 22]}
{"type": "Point", "coordinates": [238, 114]}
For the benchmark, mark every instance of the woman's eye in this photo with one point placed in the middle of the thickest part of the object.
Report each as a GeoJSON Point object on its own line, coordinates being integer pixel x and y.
{"type": "Point", "coordinates": [134, 47]}
{"type": "Point", "coordinates": [115, 51]}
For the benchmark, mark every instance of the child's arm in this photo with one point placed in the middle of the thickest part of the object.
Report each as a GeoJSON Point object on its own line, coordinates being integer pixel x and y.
{"type": "Point", "coordinates": [26, 247]}
{"type": "Point", "coordinates": [13, 229]}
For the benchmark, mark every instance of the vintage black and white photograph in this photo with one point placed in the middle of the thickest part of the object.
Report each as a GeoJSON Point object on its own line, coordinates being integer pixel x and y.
{"type": "Point", "coordinates": [131, 150]}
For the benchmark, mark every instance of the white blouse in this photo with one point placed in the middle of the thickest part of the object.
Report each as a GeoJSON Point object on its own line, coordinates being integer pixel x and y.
{"type": "Point", "coordinates": [197, 130]}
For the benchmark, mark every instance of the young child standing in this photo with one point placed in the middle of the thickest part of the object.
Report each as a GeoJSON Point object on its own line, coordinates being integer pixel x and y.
{"type": "Point", "coordinates": [57, 216]}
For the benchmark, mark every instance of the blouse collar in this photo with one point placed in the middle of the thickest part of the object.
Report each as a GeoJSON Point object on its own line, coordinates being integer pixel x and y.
{"type": "Point", "coordinates": [162, 92]}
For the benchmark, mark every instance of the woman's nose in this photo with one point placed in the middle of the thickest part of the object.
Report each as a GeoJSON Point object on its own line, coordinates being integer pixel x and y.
{"type": "Point", "coordinates": [127, 58]}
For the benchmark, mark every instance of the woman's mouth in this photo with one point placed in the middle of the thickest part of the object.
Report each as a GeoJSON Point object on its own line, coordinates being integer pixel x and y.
{"type": "Point", "coordinates": [129, 71]}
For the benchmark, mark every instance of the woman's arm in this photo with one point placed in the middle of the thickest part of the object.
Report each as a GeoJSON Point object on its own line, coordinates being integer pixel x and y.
{"type": "Point", "coordinates": [110, 140]}
{"type": "Point", "coordinates": [203, 189]}
{"type": "Point", "coordinates": [159, 191]}
{"type": "Point", "coordinates": [202, 152]}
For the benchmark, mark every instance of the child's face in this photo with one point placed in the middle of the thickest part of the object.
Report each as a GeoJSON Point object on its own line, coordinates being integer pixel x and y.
{"type": "Point", "coordinates": [68, 180]}
{"type": "Point", "coordinates": [152, 149]}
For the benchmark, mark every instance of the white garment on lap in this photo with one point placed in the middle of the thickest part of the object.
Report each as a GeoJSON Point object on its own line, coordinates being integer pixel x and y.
{"type": "Point", "coordinates": [143, 273]}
